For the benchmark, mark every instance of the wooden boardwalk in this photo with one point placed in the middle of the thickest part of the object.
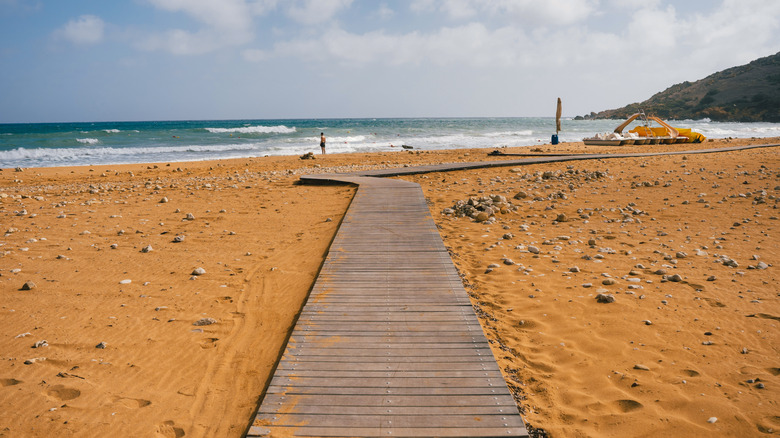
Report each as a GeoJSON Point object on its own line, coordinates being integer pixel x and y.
{"type": "Point", "coordinates": [387, 343]}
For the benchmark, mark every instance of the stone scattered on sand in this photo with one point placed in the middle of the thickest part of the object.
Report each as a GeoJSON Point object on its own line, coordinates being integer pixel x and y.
{"type": "Point", "coordinates": [41, 344]}
{"type": "Point", "coordinates": [605, 298]}
{"type": "Point", "coordinates": [648, 322]}
{"type": "Point", "coordinates": [674, 278]}
{"type": "Point", "coordinates": [28, 286]}
{"type": "Point", "coordinates": [179, 238]}
{"type": "Point", "coordinates": [189, 217]}
{"type": "Point", "coordinates": [762, 265]}
{"type": "Point", "coordinates": [608, 281]}
{"type": "Point", "coordinates": [101, 345]}
{"type": "Point", "coordinates": [712, 420]}
{"type": "Point", "coordinates": [163, 200]}
{"type": "Point", "coordinates": [125, 281]}
{"type": "Point", "coordinates": [639, 366]}
{"type": "Point", "coordinates": [147, 248]}
{"type": "Point", "coordinates": [562, 218]}
{"type": "Point", "coordinates": [533, 250]}
{"type": "Point", "coordinates": [574, 269]}
{"type": "Point", "coordinates": [199, 271]}
{"type": "Point", "coordinates": [34, 360]}
{"type": "Point", "coordinates": [205, 321]}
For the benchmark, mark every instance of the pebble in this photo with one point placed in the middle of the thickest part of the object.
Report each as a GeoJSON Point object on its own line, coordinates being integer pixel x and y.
{"type": "Point", "coordinates": [28, 286]}
{"type": "Point", "coordinates": [205, 321]}
{"type": "Point", "coordinates": [41, 344]}
{"type": "Point", "coordinates": [189, 217]}
{"type": "Point", "coordinates": [126, 281]}
{"type": "Point", "coordinates": [675, 278]}
{"type": "Point", "coordinates": [605, 298]}
{"type": "Point", "coordinates": [639, 366]}
{"type": "Point", "coordinates": [648, 322]}
{"type": "Point", "coordinates": [608, 281]}
{"type": "Point", "coordinates": [574, 269]}
{"type": "Point", "coordinates": [533, 250]}
{"type": "Point", "coordinates": [147, 248]}
{"type": "Point", "coordinates": [712, 420]}
{"type": "Point", "coordinates": [34, 359]}
{"type": "Point", "coordinates": [179, 238]}
{"type": "Point", "coordinates": [762, 265]}
{"type": "Point", "coordinates": [101, 345]}
{"type": "Point", "coordinates": [163, 200]}
{"type": "Point", "coordinates": [509, 262]}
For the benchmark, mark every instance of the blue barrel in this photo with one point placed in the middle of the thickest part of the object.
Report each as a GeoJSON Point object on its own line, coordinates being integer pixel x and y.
{"type": "Point", "coordinates": [555, 139]}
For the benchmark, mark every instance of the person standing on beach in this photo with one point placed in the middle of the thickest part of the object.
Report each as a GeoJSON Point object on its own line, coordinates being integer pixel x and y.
{"type": "Point", "coordinates": [322, 142]}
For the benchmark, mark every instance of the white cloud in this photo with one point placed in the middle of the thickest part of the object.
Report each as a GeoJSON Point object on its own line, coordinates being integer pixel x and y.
{"type": "Point", "coordinates": [225, 23]}
{"type": "Point", "coordinates": [547, 12]}
{"type": "Point", "coordinates": [316, 11]}
{"type": "Point", "coordinates": [384, 12]}
{"type": "Point", "coordinates": [469, 45]}
{"type": "Point", "coordinates": [254, 55]}
{"type": "Point", "coordinates": [87, 29]}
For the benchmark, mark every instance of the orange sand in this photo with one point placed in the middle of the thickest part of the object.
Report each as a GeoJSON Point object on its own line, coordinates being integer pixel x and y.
{"type": "Point", "coordinates": [261, 239]}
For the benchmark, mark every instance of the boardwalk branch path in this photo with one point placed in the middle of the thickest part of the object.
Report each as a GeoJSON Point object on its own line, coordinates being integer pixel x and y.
{"type": "Point", "coordinates": [387, 343]}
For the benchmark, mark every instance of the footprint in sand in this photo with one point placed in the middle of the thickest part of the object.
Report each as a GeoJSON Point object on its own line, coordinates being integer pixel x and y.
{"type": "Point", "coordinates": [209, 343]}
{"type": "Point", "coordinates": [169, 430]}
{"type": "Point", "coordinates": [627, 405]}
{"type": "Point", "coordinates": [132, 403]}
{"type": "Point", "coordinates": [9, 382]}
{"type": "Point", "coordinates": [62, 392]}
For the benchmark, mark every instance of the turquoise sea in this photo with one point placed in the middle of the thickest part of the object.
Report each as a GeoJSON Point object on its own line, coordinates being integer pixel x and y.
{"type": "Point", "coordinates": [73, 144]}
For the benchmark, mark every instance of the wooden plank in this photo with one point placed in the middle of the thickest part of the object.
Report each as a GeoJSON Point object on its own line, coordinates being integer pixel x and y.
{"type": "Point", "coordinates": [392, 420]}
{"type": "Point", "coordinates": [502, 404]}
{"type": "Point", "coordinates": [258, 431]}
{"type": "Point", "coordinates": [438, 396]}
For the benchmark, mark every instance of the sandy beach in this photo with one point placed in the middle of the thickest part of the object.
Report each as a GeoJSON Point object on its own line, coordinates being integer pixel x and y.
{"type": "Point", "coordinates": [155, 299]}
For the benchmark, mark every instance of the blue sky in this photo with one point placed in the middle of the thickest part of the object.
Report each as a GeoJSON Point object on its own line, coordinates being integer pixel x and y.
{"type": "Point", "coordinates": [97, 60]}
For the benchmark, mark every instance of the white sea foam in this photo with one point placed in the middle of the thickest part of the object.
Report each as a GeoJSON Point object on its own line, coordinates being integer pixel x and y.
{"type": "Point", "coordinates": [88, 140]}
{"type": "Point", "coordinates": [281, 129]}
{"type": "Point", "coordinates": [112, 131]}
{"type": "Point", "coordinates": [82, 154]}
{"type": "Point", "coordinates": [524, 133]}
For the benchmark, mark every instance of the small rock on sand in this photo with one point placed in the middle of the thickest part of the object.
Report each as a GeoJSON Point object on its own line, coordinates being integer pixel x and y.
{"type": "Point", "coordinates": [639, 366]}
{"type": "Point", "coordinates": [605, 298]}
{"type": "Point", "coordinates": [205, 321]}
{"type": "Point", "coordinates": [28, 286]}
{"type": "Point", "coordinates": [199, 271]}
{"type": "Point", "coordinates": [147, 248]}
{"type": "Point", "coordinates": [101, 345]}
{"type": "Point", "coordinates": [712, 420]}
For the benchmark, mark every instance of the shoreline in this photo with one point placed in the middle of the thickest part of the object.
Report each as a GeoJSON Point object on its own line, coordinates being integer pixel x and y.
{"type": "Point", "coordinates": [159, 374]}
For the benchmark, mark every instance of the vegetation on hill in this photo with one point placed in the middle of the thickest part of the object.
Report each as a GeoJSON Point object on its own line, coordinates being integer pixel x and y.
{"type": "Point", "coordinates": [748, 93]}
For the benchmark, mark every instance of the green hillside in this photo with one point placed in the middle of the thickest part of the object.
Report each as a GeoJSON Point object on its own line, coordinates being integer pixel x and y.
{"type": "Point", "coordinates": [748, 93]}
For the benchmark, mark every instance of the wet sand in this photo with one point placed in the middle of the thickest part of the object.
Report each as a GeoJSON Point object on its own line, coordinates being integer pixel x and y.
{"type": "Point", "coordinates": [686, 246]}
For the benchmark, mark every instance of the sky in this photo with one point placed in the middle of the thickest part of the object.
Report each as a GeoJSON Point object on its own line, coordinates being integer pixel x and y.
{"type": "Point", "coordinates": [98, 60]}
